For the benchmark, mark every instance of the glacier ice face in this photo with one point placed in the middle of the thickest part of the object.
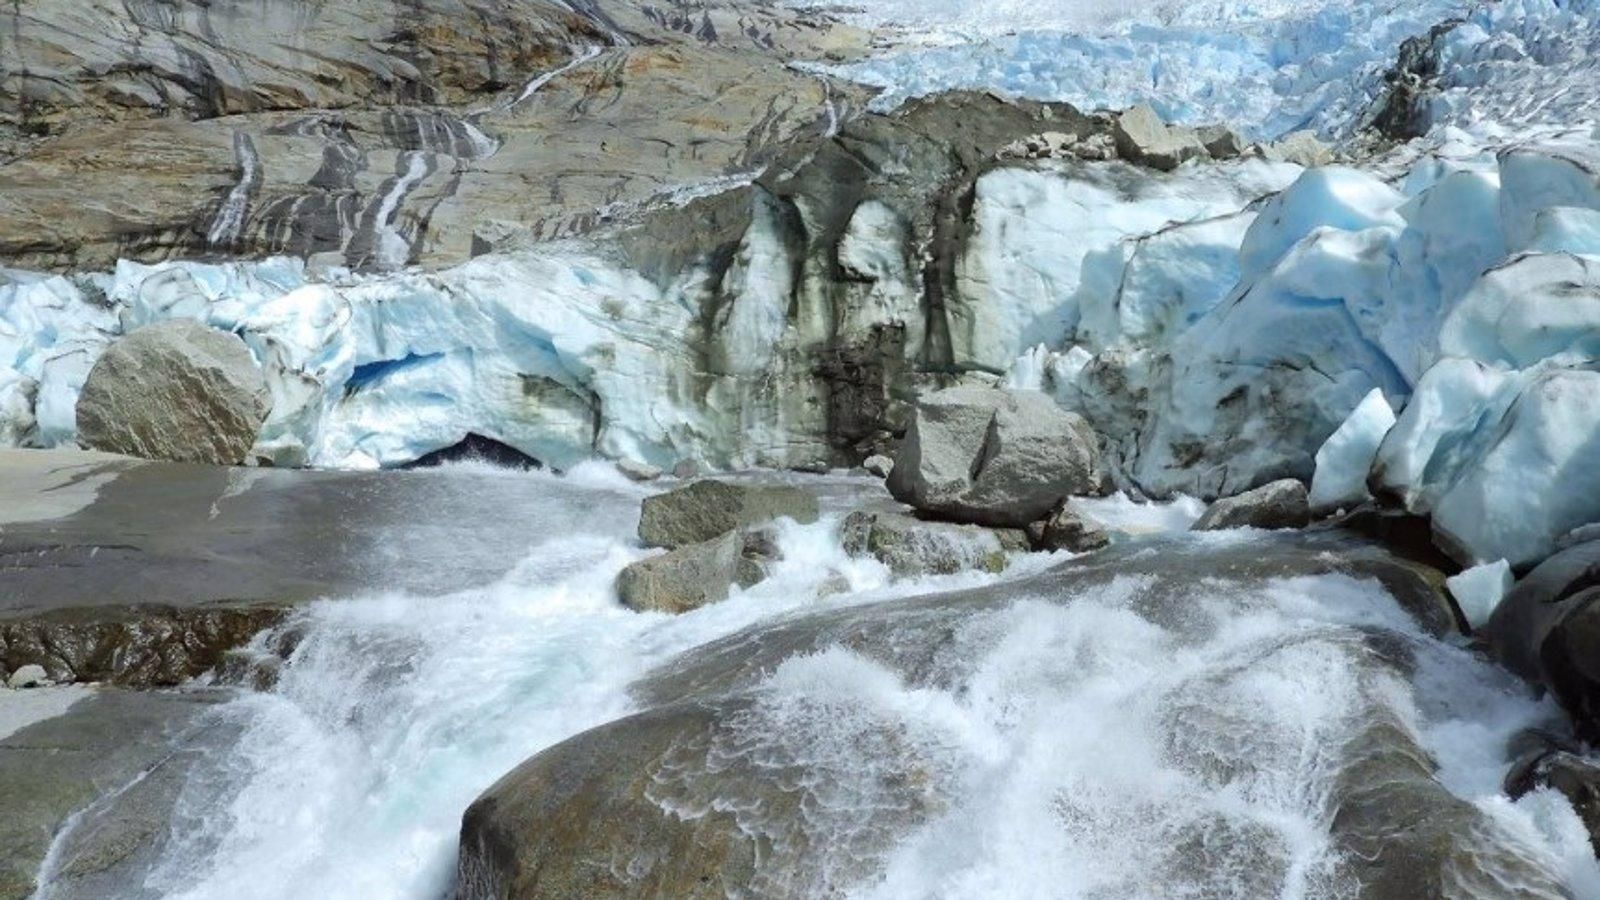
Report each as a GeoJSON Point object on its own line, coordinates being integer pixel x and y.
{"type": "Point", "coordinates": [1455, 404]}
{"type": "Point", "coordinates": [1267, 68]}
{"type": "Point", "coordinates": [1536, 477]}
{"type": "Point", "coordinates": [1343, 462]}
{"type": "Point", "coordinates": [1535, 307]}
{"type": "Point", "coordinates": [1050, 246]}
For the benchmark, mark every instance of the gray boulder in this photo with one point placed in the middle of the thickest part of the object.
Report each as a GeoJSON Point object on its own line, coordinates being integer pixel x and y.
{"type": "Point", "coordinates": [994, 457]}
{"type": "Point", "coordinates": [913, 548]}
{"type": "Point", "coordinates": [1303, 148]}
{"type": "Point", "coordinates": [707, 509]}
{"type": "Point", "coordinates": [1143, 138]}
{"type": "Point", "coordinates": [1220, 141]}
{"type": "Point", "coordinates": [1281, 504]}
{"type": "Point", "coordinates": [683, 579]}
{"type": "Point", "coordinates": [1067, 530]}
{"type": "Point", "coordinates": [177, 390]}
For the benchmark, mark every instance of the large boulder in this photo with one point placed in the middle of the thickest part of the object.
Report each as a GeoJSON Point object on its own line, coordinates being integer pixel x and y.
{"type": "Point", "coordinates": [707, 509]}
{"type": "Point", "coordinates": [994, 457]}
{"type": "Point", "coordinates": [1142, 137]}
{"type": "Point", "coordinates": [1281, 504]}
{"type": "Point", "coordinates": [1547, 629]}
{"type": "Point", "coordinates": [177, 390]}
{"type": "Point", "coordinates": [683, 579]}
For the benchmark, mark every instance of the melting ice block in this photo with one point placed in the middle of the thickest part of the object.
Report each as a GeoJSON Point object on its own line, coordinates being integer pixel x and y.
{"type": "Point", "coordinates": [1480, 589]}
{"type": "Point", "coordinates": [1343, 462]}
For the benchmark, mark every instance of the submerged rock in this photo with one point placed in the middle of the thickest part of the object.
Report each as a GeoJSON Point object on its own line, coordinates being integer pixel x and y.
{"type": "Point", "coordinates": [1067, 529]}
{"type": "Point", "coordinates": [1281, 504]}
{"type": "Point", "coordinates": [707, 509]}
{"type": "Point", "coordinates": [683, 579]}
{"type": "Point", "coordinates": [1573, 776]}
{"type": "Point", "coordinates": [994, 457]}
{"type": "Point", "coordinates": [913, 548]}
{"type": "Point", "coordinates": [178, 391]}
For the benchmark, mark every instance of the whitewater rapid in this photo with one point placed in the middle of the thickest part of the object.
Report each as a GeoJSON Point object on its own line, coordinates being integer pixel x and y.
{"type": "Point", "coordinates": [1069, 747]}
{"type": "Point", "coordinates": [347, 779]}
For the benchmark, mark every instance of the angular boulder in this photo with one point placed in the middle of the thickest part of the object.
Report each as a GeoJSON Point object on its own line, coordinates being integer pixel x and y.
{"type": "Point", "coordinates": [994, 457]}
{"type": "Point", "coordinates": [913, 548]}
{"type": "Point", "coordinates": [707, 509]}
{"type": "Point", "coordinates": [1220, 141]}
{"type": "Point", "coordinates": [1303, 148]}
{"type": "Point", "coordinates": [684, 579]}
{"type": "Point", "coordinates": [176, 390]}
{"type": "Point", "coordinates": [1143, 138]}
{"type": "Point", "coordinates": [1281, 504]}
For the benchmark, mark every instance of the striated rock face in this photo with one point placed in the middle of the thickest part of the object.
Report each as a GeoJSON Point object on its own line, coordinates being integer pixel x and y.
{"type": "Point", "coordinates": [381, 133]}
{"type": "Point", "coordinates": [803, 759]}
{"type": "Point", "coordinates": [177, 391]}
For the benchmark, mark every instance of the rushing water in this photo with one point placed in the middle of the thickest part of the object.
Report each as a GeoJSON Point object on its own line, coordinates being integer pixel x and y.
{"type": "Point", "coordinates": [1069, 744]}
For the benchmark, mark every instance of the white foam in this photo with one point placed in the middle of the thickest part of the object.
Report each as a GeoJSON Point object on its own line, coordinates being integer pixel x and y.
{"type": "Point", "coordinates": [395, 711]}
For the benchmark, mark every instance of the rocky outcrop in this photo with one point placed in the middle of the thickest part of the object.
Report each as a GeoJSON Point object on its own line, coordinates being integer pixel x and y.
{"type": "Point", "coordinates": [177, 391]}
{"type": "Point", "coordinates": [383, 134]}
{"type": "Point", "coordinates": [1281, 504]}
{"type": "Point", "coordinates": [994, 457]}
{"type": "Point", "coordinates": [709, 509]}
{"type": "Point", "coordinates": [683, 579]}
{"type": "Point", "coordinates": [747, 773]}
{"type": "Point", "coordinates": [138, 647]}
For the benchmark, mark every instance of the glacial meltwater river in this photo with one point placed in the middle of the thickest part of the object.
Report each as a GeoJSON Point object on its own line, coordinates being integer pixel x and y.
{"type": "Point", "coordinates": [1072, 747]}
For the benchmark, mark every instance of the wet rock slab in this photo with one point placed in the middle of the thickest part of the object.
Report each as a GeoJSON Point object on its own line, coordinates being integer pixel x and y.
{"type": "Point", "coordinates": [148, 573]}
{"type": "Point", "coordinates": [113, 742]}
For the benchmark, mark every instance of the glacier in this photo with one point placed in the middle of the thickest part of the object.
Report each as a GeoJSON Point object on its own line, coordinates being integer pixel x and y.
{"type": "Point", "coordinates": [1222, 325]}
{"type": "Point", "coordinates": [1267, 68]}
